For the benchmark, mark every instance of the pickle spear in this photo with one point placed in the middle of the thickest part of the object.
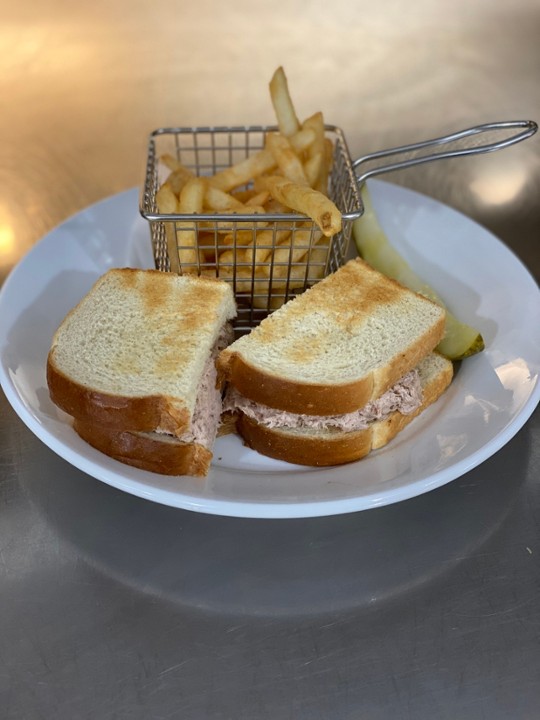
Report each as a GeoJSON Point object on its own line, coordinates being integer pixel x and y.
{"type": "Point", "coordinates": [460, 340]}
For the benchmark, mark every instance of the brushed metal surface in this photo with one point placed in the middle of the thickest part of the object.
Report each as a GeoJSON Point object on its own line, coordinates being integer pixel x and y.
{"type": "Point", "coordinates": [115, 608]}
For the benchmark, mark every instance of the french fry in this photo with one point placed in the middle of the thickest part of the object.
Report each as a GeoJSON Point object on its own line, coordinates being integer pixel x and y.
{"type": "Point", "coordinates": [252, 196]}
{"type": "Point", "coordinates": [313, 168]}
{"type": "Point", "coordinates": [316, 123]}
{"type": "Point", "coordinates": [253, 210]}
{"type": "Point", "coordinates": [179, 174]}
{"type": "Point", "coordinates": [178, 178]}
{"type": "Point", "coordinates": [244, 237]}
{"type": "Point", "coordinates": [228, 226]}
{"type": "Point", "coordinates": [283, 106]}
{"type": "Point", "coordinates": [327, 166]}
{"type": "Point", "coordinates": [317, 153]}
{"type": "Point", "coordinates": [191, 201]}
{"type": "Point", "coordinates": [302, 139]}
{"type": "Point", "coordinates": [166, 200]}
{"type": "Point", "coordinates": [273, 294]}
{"type": "Point", "coordinates": [265, 242]}
{"type": "Point", "coordinates": [228, 258]}
{"type": "Point", "coordinates": [300, 275]}
{"type": "Point", "coordinates": [285, 278]}
{"type": "Point", "coordinates": [256, 164]}
{"type": "Point", "coordinates": [295, 247]}
{"type": "Point", "coordinates": [237, 267]}
{"type": "Point", "coordinates": [244, 171]}
{"type": "Point", "coordinates": [218, 200]}
{"type": "Point", "coordinates": [306, 200]}
{"type": "Point", "coordinates": [244, 195]}
{"type": "Point", "coordinates": [258, 199]}
{"type": "Point", "coordinates": [169, 161]}
{"type": "Point", "coordinates": [192, 196]}
{"type": "Point", "coordinates": [286, 158]}
{"type": "Point", "coordinates": [167, 203]}
{"type": "Point", "coordinates": [207, 245]}
{"type": "Point", "coordinates": [273, 206]}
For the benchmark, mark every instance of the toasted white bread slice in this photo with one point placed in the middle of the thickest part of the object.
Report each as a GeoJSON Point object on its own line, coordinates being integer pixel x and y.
{"type": "Point", "coordinates": [306, 446]}
{"type": "Point", "coordinates": [155, 452]}
{"type": "Point", "coordinates": [335, 347]}
{"type": "Point", "coordinates": [131, 354]}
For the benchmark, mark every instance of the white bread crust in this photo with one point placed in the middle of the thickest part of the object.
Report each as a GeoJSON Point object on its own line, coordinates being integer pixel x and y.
{"type": "Point", "coordinates": [154, 452]}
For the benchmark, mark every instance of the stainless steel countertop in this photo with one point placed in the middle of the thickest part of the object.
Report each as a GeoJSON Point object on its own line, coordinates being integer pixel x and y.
{"type": "Point", "coordinates": [112, 607]}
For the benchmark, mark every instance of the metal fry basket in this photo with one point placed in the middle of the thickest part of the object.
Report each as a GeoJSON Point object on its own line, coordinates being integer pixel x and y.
{"type": "Point", "coordinates": [268, 258]}
{"type": "Point", "coordinates": [271, 257]}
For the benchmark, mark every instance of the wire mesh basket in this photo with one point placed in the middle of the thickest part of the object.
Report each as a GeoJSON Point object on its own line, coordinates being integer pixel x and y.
{"type": "Point", "coordinates": [268, 258]}
{"type": "Point", "coordinates": [271, 257]}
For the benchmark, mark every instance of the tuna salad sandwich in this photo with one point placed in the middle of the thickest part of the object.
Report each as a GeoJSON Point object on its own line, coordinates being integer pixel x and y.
{"type": "Point", "coordinates": [338, 371]}
{"type": "Point", "coordinates": [134, 365]}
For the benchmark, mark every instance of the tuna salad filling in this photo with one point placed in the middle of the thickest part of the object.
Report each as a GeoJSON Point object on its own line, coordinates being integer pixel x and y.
{"type": "Point", "coordinates": [404, 397]}
{"type": "Point", "coordinates": [207, 412]}
{"type": "Point", "coordinates": [208, 405]}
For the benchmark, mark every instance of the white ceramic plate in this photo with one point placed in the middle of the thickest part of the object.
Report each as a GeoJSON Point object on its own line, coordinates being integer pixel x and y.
{"type": "Point", "coordinates": [490, 399]}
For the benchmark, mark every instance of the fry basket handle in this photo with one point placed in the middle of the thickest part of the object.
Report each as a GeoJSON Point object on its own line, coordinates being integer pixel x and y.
{"type": "Point", "coordinates": [528, 128]}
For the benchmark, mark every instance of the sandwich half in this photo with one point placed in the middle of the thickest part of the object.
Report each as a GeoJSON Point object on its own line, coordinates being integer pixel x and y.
{"type": "Point", "coordinates": [134, 364]}
{"type": "Point", "coordinates": [338, 371]}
